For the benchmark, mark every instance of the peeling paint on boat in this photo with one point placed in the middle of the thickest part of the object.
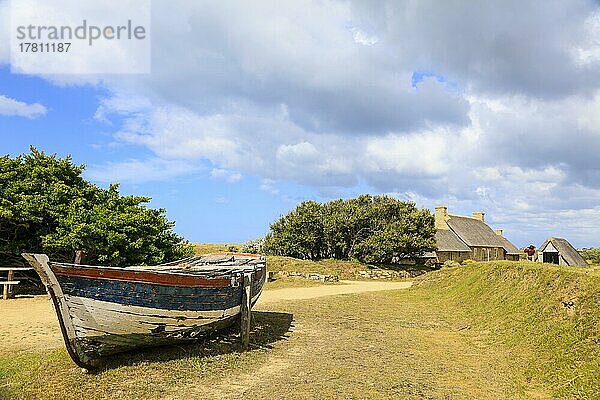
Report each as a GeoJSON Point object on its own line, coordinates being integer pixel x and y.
{"type": "Point", "coordinates": [106, 310]}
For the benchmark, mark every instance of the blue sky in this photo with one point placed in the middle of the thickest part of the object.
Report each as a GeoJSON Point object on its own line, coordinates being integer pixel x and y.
{"type": "Point", "coordinates": [205, 209]}
{"type": "Point", "coordinates": [251, 108]}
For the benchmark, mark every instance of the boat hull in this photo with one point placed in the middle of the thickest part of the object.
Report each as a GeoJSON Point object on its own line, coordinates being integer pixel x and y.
{"type": "Point", "coordinates": [103, 310]}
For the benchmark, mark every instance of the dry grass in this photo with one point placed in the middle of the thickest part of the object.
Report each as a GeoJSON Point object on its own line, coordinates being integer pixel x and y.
{"type": "Point", "coordinates": [373, 345]}
{"type": "Point", "coordinates": [387, 345]}
{"type": "Point", "coordinates": [208, 248]}
{"type": "Point", "coordinates": [484, 331]}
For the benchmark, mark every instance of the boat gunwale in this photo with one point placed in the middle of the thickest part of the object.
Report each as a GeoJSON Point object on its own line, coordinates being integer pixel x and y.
{"type": "Point", "coordinates": [214, 275]}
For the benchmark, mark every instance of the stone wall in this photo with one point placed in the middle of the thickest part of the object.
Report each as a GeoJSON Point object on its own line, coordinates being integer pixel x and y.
{"type": "Point", "coordinates": [388, 274]}
{"type": "Point", "coordinates": [376, 273]}
{"type": "Point", "coordinates": [310, 275]}
{"type": "Point", "coordinates": [458, 256]}
{"type": "Point", "coordinates": [481, 253]}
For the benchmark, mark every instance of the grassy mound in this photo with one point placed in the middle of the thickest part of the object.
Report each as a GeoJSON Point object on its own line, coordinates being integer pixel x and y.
{"type": "Point", "coordinates": [343, 269]}
{"type": "Point", "coordinates": [208, 248]}
{"type": "Point", "coordinates": [548, 315]}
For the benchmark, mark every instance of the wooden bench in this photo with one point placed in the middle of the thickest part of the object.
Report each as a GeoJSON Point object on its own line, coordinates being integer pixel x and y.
{"type": "Point", "coordinates": [10, 281]}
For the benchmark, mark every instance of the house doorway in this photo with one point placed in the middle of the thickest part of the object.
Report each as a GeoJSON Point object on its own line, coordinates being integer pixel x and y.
{"type": "Point", "coordinates": [551, 257]}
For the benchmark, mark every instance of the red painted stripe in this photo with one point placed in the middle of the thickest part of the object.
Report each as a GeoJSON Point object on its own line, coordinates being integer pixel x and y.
{"type": "Point", "coordinates": [140, 276]}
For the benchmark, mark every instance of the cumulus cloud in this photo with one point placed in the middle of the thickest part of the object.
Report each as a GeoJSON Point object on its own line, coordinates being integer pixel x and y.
{"type": "Point", "coordinates": [322, 94]}
{"type": "Point", "coordinates": [11, 107]}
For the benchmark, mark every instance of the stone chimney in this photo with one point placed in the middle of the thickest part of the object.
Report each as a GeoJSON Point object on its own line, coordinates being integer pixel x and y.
{"type": "Point", "coordinates": [499, 232]}
{"type": "Point", "coordinates": [441, 213]}
{"type": "Point", "coordinates": [479, 215]}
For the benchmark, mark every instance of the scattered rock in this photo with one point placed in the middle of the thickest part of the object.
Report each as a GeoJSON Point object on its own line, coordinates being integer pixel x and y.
{"type": "Point", "coordinates": [312, 276]}
{"type": "Point", "coordinates": [388, 274]}
{"type": "Point", "coordinates": [375, 273]}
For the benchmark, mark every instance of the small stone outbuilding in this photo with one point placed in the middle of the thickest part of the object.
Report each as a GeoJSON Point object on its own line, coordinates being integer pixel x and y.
{"type": "Point", "coordinates": [559, 251]}
{"type": "Point", "coordinates": [460, 238]}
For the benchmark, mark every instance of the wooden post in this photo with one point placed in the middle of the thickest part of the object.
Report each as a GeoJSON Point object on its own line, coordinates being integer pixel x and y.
{"type": "Point", "coordinates": [245, 311]}
{"type": "Point", "coordinates": [11, 276]}
{"type": "Point", "coordinates": [5, 293]}
{"type": "Point", "coordinates": [79, 256]}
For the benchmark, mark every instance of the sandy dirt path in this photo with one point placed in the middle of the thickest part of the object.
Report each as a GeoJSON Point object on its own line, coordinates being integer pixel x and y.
{"type": "Point", "coordinates": [29, 323]}
{"type": "Point", "coordinates": [269, 296]}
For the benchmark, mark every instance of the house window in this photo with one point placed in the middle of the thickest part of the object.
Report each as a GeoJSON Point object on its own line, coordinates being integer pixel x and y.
{"type": "Point", "coordinates": [496, 253]}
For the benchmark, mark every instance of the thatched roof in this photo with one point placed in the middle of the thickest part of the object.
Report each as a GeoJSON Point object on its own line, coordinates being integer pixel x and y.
{"type": "Point", "coordinates": [448, 241]}
{"type": "Point", "coordinates": [566, 251]}
{"type": "Point", "coordinates": [509, 247]}
{"type": "Point", "coordinates": [474, 232]}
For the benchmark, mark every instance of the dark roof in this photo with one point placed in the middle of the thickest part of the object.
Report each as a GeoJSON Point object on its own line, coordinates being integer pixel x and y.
{"type": "Point", "coordinates": [566, 250]}
{"type": "Point", "coordinates": [474, 232]}
{"type": "Point", "coordinates": [509, 247]}
{"type": "Point", "coordinates": [448, 241]}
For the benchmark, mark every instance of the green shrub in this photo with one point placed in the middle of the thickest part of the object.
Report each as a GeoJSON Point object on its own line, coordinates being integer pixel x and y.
{"type": "Point", "coordinates": [47, 206]}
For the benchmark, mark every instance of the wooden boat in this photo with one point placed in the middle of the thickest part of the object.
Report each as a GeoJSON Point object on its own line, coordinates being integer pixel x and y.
{"type": "Point", "coordinates": [106, 310]}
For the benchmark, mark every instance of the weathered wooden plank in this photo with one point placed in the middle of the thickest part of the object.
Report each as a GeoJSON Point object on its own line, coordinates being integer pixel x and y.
{"type": "Point", "coordinates": [111, 318]}
{"type": "Point", "coordinates": [246, 311]}
{"type": "Point", "coordinates": [138, 276]}
{"type": "Point", "coordinates": [154, 296]}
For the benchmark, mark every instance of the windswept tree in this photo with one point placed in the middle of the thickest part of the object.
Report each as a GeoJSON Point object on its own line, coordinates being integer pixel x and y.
{"type": "Point", "coordinates": [374, 229]}
{"type": "Point", "coordinates": [47, 206]}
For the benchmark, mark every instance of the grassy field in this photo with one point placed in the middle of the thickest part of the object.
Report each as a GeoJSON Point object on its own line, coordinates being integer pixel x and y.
{"type": "Point", "coordinates": [547, 314]}
{"type": "Point", "coordinates": [482, 331]}
{"type": "Point", "coordinates": [207, 248]}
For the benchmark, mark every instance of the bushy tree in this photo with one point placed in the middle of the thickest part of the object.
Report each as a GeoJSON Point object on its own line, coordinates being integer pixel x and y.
{"type": "Point", "coordinates": [299, 233]}
{"type": "Point", "coordinates": [374, 229]}
{"type": "Point", "coordinates": [253, 246]}
{"type": "Point", "coordinates": [47, 206]}
{"type": "Point", "coordinates": [591, 254]}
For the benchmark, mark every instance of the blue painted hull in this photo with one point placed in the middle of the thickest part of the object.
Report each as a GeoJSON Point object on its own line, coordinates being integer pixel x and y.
{"type": "Point", "coordinates": [156, 296]}
{"type": "Point", "coordinates": [105, 310]}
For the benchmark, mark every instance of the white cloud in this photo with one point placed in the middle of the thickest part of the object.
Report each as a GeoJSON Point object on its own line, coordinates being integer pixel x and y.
{"type": "Point", "coordinates": [419, 153]}
{"type": "Point", "coordinates": [268, 186]}
{"type": "Point", "coordinates": [139, 171]}
{"type": "Point", "coordinates": [119, 55]}
{"type": "Point", "coordinates": [363, 38]}
{"type": "Point", "coordinates": [292, 93]}
{"type": "Point", "coordinates": [12, 107]}
{"type": "Point", "coordinates": [4, 32]}
{"type": "Point", "coordinates": [221, 173]}
{"type": "Point", "coordinates": [587, 52]}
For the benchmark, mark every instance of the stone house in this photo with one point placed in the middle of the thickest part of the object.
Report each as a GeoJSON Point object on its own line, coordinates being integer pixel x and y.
{"type": "Point", "coordinates": [559, 251]}
{"type": "Point", "coordinates": [460, 238]}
